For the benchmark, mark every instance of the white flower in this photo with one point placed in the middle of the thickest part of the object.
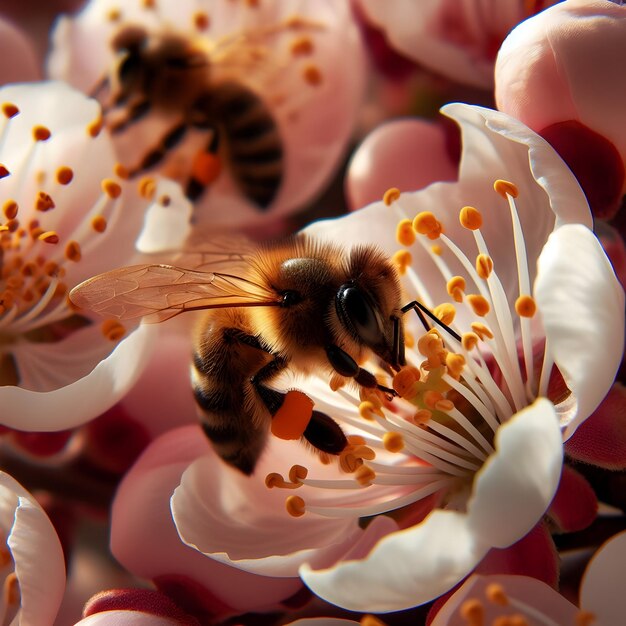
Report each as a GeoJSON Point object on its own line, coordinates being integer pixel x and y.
{"type": "Point", "coordinates": [67, 214]}
{"type": "Point", "coordinates": [527, 278]}
{"type": "Point", "coordinates": [31, 559]}
{"type": "Point", "coordinates": [303, 59]}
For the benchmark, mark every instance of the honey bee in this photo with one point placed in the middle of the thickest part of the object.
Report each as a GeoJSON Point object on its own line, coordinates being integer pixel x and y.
{"type": "Point", "coordinates": [301, 304]}
{"type": "Point", "coordinates": [173, 74]}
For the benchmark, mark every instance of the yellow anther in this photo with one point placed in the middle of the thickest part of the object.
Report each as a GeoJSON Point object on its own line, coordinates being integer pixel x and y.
{"type": "Point", "coordinates": [393, 442]}
{"type": "Point", "coordinates": [506, 188]}
{"type": "Point", "coordinates": [147, 187]}
{"type": "Point", "coordinates": [114, 15]}
{"type": "Point", "coordinates": [44, 202]}
{"type": "Point", "coordinates": [274, 479]}
{"type": "Point", "coordinates": [525, 306]}
{"type": "Point", "coordinates": [402, 259]}
{"type": "Point", "coordinates": [64, 175]}
{"type": "Point", "coordinates": [295, 506]}
{"type": "Point", "coordinates": [9, 110]}
{"type": "Point", "coordinates": [405, 235]}
{"type": "Point", "coordinates": [481, 330]}
{"type": "Point", "coordinates": [469, 341]}
{"type": "Point", "coordinates": [479, 304]}
{"type": "Point", "coordinates": [496, 595]}
{"type": "Point", "coordinates": [445, 312]}
{"type": "Point", "coordinates": [298, 473]}
{"type": "Point", "coordinates": [367, 409]}
{"type": "Point", "coordinates": [201, 20]}
{"type": "Point", "coordinates": [435, 249]}
{"type": "Point", "coordinates": [121, 171]}
{"type": "Point", "coordinates": [431, 398]}
{"type": "Point", "coordinates": [364, 475]}
{"type": "Point", "coordinates": [364, 452]}
{"type": "Point", "coordinates": [370, 620]}
{"type": "Point", "coordinates": [73, 252]}
{"type": "Point", "coordinates": [484, 265]}
{"type": "Point", "coordinates": [455, 364]}
{"type": "Point", "coordinates": [472, 611]}
{"type": "Point", "coordinates": [112, 329]}
{"type": "Point", "coordinates": [430, 345]}
{"type": "Point", "coordinates": [99, 223]}
{"type": "Point", "coordinates": [49, 236]}
{"type": "Point", "coordinates": [312, 74]}
{"type": "Point", "coordinates": [9, 209]}
{"type": "Point", "coordinates": [356, 440]}
{"type": "Point", "coordinates": [391, 195]}
{"type": "Point", "coordinates": [111, 188]}
{"type": "Point", "coordinates": [456, 288]}
{"type": "Point", "coordinates": [371, 395]}
{"type": "Point", "coordinates": [470, 218]}
{"type": "Point", "coordinates": [41, 133]}
{"type": "Point", "coordinates": [409, 339]}
{"type": "Point", "coordinates": [585, 618]}
{"type": "Point", "coordinates": [421, 417]}
{"type": "Point", "coordinates": [51, 268]}
{"type": "Point", "coordinates": [301, 46]}
{"type": "Point", "coordinates": [425, 223]}
{"type": "Point", "coordinates": [94, 128]}
{"type": "Point", "coordinates": [444, 405]}
{"type": "Point", "coordinates": [404, 381]}
{"type": "Point", "coordinates": [4, 172]}
{"type": "Point", "coordinates": [148, 4]}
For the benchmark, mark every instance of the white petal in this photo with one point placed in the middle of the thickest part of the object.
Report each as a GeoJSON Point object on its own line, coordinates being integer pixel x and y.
{"type": "Point", "coordinates": [405, 569]}
{"type": "Point", "coordinates": [84, 399]}
{"type": "Point", "coordinates": [39, 563]}
{"type": "Point", "coordinates": [516, 484]}
{"type": "Point", "coordinates": [167, 223]}
{"type": "Point", "coordinates": [582, 308]}
{"type": "Point", "coordinates": [126, 618]}
{"type": "Point", "coordinates": [238, 520]}
{"type": "Point", "coordinates": [602, 587]}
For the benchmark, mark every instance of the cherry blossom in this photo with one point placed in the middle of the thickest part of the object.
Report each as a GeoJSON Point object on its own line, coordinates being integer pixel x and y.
{"type": "Point", "coordinates": [514, 260]}
{"type": "Point", "coordinates": [458, 40]}
{"type": "Point", "coordinates": [556, 73]}
{"type": "Point", "coordinates": [304, 60]}
{"type": "Point", "coordinates": [68, 213]}
{"type": "Point", "coordinates": [33, 567]}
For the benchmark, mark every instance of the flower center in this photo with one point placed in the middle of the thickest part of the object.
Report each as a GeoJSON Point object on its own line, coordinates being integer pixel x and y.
{"type": "Point", "coordinates": [463, 379]}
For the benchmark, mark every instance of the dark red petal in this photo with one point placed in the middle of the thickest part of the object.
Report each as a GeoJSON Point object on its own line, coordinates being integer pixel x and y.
{"type": "Point", "coordinates": [575, 505]}
{"type": "Point", "coordinates": [595, 161]}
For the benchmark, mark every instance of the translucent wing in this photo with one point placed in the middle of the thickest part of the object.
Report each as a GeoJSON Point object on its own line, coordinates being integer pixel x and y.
{"type": "Point", "coordinates": [159, 292]}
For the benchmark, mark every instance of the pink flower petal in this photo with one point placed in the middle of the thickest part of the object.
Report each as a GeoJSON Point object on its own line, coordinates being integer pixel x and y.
{"type": "Point", "coordinates": [575, 505]}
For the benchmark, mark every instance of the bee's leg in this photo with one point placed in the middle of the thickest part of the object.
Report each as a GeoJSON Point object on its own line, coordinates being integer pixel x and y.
{"type": "Point", "coordinates": [423, 311]}
{"type": "Point", "coordinates": [134, 112]}
{"type": "Point", "coordinates": [345, 365]}
{"type": "Point", "coordinates": [155, 155]}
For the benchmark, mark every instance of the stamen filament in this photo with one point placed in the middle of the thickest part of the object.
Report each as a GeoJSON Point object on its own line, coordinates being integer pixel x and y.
{"type": "Point", "coordinates": [23, 321]}
{"type": "Point", "coordinates": [456, 437]}
{"type": "Point", "coordinates": [546, 370]}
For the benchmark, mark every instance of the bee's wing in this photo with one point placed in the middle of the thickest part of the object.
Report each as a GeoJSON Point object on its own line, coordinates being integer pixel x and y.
{"type": "Point", "coordinates": [208, 252]}
{"type": "Point", "coordinates": [158, 292]}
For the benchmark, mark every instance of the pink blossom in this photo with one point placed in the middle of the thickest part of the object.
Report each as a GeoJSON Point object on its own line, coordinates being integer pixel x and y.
{"type": "Point", "coordinates": [557, 73]}
{"type": "Point", "coordinates": [18, 60]}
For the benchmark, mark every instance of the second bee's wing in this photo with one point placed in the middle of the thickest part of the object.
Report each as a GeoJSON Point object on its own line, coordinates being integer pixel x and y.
{"type": "Point", "coordinates": [159, 292]}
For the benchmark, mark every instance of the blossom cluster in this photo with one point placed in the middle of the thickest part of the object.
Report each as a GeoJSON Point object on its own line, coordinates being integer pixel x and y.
{"type": "Point", "coordinates": [394, 233]}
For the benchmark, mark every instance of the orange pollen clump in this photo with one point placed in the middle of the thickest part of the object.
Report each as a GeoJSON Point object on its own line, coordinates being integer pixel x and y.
{"type": "Point", "coordinates": [295, 506]}
{"type": "Point", "coordinates": [72, 251]}
{"type": "Point", "coordinates": [364, 475]}
{"type": "Point", "coordinates": [9, 110]}
{"type": "Point", "coordinates": [425, 223]}
{"type": "Point", "coordinates": [147, 187]}
{"type": "Point", "coordinates": [370, 620]}
{"type": "Point", "coordinates": [473, 612]}
{"type": "Point", "coordinates": [455, 364]}
{"type": "Point", "coordinates": [402, 259]}
{"type": "Point", "coordinates": [435, 249]}
{"type": "Point", "coordinates": [114, 15]}
{"type": "Point", "coordinates": [393, 441]}
{"type": "Point", "coordinates": [404, 381]}
{"type": "Point", "coordinates": [294, 415]}
{"type": "Point", "coordinates": [504, 188]}
{"type": "Point", "coordinates": [112, 329]}
{"type": "Point", "coordinates": [585, 618]}
{"type": "Point", "coordinates": [496, 595]}
{"type": "Point", "coordinates": [405, 235]}
{"type": "Point", "coordinates": [479, 304]}
{"type": "Point", "coordinates": [367, 409]}
{"type": "Point", "coordinates": [64, 175]}
{"type": "Point", "coordinates": [481, 330]}
{"type": "Point", "coordinates": [201, 20]}
{"type": "Point", "coordinates": [206, 167]}
{"type": "Point", "coordinates": [99, 223]}
{"type": "Point", "coordinates": [391, 195]}
{"type": "Point", "coordinates": [10, 208]}
{"type": "Point", "coordinates": [111, 188]}
{"type": "Point", "coordinates": [41, 133]}
{"type": "Point", "coordinates": [4, 172]}
{"type": "Point", "coordinates": [470, 218]}
{"type": "Point", "coordinates": [469, 341]}
{"type": "Point", "coordinates": [484, 265]}
{"type": "Point", "coordinates": [445, 312]}
{"type": "Point", "coordinates": [44, 202]}
{"type": "Point", "coordinates": [312, 74]}
{"type": "Point", "coordinates": [94, 128]}
{"type": "Point", "coordinates": [525, 306]}
{"type": "Point", "coordinates": [121, 171]}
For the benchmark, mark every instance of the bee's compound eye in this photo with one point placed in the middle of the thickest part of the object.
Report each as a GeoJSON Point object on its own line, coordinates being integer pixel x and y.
{"type": "Point", "coordinates": [356, 312]}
